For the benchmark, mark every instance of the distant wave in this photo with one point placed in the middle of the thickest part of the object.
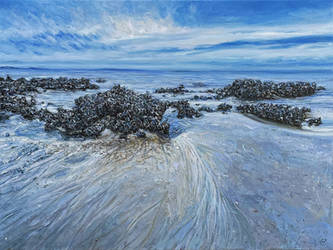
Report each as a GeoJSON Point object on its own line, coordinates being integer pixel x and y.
{"type": "Point", "coordinates": [8, 69]}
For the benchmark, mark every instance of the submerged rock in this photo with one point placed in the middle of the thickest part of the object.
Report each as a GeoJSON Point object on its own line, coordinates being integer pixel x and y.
{"type": "Point", "coordinates": [3, 116]}
{"type": "Point", "coordinates": [281, 113]}
{"type": "Point", "coordinates": [206, 109]}
{"type": "Point", "coordinates": [178, 90]}
{"type": "Point", "coordinates": [223, 107]}
{"type": "Point", "coordinates": [198, 84]}
{"type": "Point", "coordinates": [249, 89]}
{"type": "Point", "coordinates": [100, 80]}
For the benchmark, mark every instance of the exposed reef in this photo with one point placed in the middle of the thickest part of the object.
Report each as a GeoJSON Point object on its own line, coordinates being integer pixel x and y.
{"type": "Point", "coordinates": [126, 112]}
{"type": "Point", "coordinates": [249, 89]}
{"type": "Point", "coordinates": [22, 105]}
{"type": "Point", "coordinates": [8, 86]}
{"type": "Point", "coordinates": [281, 113]}
{"type": "Point", "coordinates": [121, 110]}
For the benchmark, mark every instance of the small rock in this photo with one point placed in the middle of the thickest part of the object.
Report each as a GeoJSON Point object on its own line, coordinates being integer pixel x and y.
{"type": "Point", "coordinates": [224, 107]}
{"type": "Point", "coordinates": [100, 80]}
{"type": "Point", "coordinates": [123, 136]}
{"type": "Point", "coordinates": [314, 121]}
{"type": "Point", "coordinates": [176, 91]}
{"type": "Point", "coordinates": [206, 109]}
{"type": "Point", "coordinates": [198, 84]}
{"type": "Point", "coordinates": [184, 109]}
{"type": "Point", "coordinates": [141, 134]}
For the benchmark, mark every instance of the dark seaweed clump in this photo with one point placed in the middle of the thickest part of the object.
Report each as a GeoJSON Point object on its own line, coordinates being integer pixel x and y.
{"type": "Point", "coordinates": [280, 113]}
{"type": "Point", "coordinates": [178, 90]}
{"type": "Point", "coordinates": [249, 89]}
{"type": "Point", "coordinates": [121, 110]}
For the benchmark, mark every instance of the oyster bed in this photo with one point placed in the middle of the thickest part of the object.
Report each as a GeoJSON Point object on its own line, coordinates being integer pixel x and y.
{"type": "Point", "coordinates": [126, 112]}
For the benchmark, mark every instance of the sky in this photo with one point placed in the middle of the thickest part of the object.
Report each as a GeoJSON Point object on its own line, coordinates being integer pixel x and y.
{"type": "Point", "coordinates": [217, 35]}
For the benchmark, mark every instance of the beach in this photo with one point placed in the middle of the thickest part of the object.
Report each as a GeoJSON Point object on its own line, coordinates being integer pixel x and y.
{"type": "Point", "coordinates": [221, 180]}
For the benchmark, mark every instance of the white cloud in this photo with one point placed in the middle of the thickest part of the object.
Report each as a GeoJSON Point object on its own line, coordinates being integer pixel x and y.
{"type": "Point", "coordinates": [136, 37]}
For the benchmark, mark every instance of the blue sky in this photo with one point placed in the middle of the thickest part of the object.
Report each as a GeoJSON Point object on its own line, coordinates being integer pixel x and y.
{"type": "Point", "coordinates": [167, 34]}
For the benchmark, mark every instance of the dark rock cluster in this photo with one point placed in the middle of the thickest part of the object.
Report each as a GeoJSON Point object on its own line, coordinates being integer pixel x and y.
{"type": "Point", "coordinates": [223, 107]}
{"type": "Point", "coordinates": [198, 84]}
{"type": "Point", "coordinates": [119, 109]}
{"type": "Point", "coordinates": [100, 80]}
{"type": "Point", "coordinates": [8, 86]}
{"type": "Point", "coordinates": [249, 89]}
{"type": "Point", "coordinates": [280, 113]}
{"type": "Point", "coordinates": [3, 116]}
{"type": "Point", "coordinates": [202, 98]}
{"type": "Point", "coordinates": [178, 90]}
{"type": "Point", "coordinates": [126, 112]}
{"type": "Point", "coordinates": [206, 109]}
{"type": "Point", "coordinates": [184, 109]}
{"type": "Point", "coordinates": [22, 105]}
{"type": "Point", "coordinates": [14, 93]}
{"type": "Point", "coordinates": [314, 121]}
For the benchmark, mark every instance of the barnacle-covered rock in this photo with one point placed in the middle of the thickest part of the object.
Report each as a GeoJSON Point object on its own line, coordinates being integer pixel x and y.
{"type": "Point", "coordinates": [9, 86]}
{"type": "Point", "coordinates": [178, 90]}
{"type": "Point", "coordinates": [285, 114]}
{"type": "Point", "coordinates": [249, 89]}
{"type": "Point", "coordinates": [223, 107]}
{"type": "Point", "coordinates": [121, 110]}
{"type": "Point", "coordinates": [184, 109]}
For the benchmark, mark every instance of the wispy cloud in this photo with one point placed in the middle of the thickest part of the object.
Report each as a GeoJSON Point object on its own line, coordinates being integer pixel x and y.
{"type": "Point", "coordinates": [157, 33]}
